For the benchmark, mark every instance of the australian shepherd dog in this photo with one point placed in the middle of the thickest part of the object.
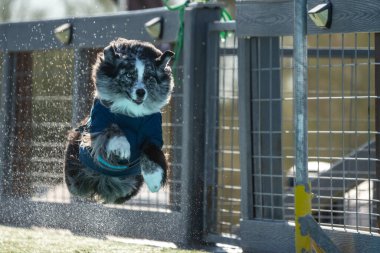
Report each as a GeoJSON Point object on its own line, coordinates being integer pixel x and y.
{"type": "Point", "coordinates": [118, 146]}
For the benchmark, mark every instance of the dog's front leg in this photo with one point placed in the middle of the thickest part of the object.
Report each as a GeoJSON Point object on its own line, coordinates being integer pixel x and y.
{"type": "Point", "coordinates": [118, 145]}
{"type": "Point", "coordinates": [154, 167]}
{"type": "Point", "coordinates": [111, 143]}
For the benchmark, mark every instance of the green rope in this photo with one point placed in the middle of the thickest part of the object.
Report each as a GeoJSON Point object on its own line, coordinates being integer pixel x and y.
{"type": "Point", "coordinates": [179, 41]}
{"type": "Point", "coordinates": [226, 16]}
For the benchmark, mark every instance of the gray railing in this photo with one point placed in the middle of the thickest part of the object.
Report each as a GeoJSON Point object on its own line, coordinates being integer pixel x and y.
{"type": "Point", "coordinates": [231, 146]}
{"type": "Point", "coordinates": [342, 124]}
{"type": "Point", "coordinates": [46, 90]}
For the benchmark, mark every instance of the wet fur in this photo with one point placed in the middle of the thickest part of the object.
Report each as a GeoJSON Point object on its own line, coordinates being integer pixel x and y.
{"type": "Point", "coordinates": [114, 75]}
{"type": "Point", "coordinates": [84, 183]}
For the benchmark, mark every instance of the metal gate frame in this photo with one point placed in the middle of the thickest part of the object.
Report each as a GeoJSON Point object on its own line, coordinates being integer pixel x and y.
{"type": "Point", "coordinates": [181, 226]}
{"type": "Point", "coordinates": [258, 20]}
{"type": "Point", "coordinates": [214, 52]}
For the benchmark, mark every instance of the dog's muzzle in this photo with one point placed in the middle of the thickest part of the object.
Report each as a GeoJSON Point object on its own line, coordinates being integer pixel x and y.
{"type": "Point", "coordinates": [140, 95]}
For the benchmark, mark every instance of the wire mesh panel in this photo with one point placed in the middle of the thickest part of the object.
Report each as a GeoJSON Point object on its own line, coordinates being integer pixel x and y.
{"type": "Point", "coordinates": [49, 91]}
{"type": "Point", "coordinates": [40, 84]}
{"type": "Point", "coordinates": [50, 116]}
{"type": "Point", "coordinates": [343, 129]}
{"type": "Point", "coordinates": [223, 191]}
{"type": "Point", "coordinates": [42, 116]}
{"type": "Point", "coordinates": [266, 117]}
{"type": "Point", "coordinates": [228, 187]}
{"type": "Point", "coordinates": [341, 118]}
{"type": "Point", "coordinates": [349, 101]}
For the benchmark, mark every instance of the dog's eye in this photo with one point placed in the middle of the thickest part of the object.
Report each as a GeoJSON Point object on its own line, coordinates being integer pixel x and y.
{"type": "Point", "coordinates": [129, 75]}
{"type": "Point", "coordinates": [152, 80]}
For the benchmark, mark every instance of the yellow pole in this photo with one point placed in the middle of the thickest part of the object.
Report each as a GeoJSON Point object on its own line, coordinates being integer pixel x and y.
{"type": "Point", "coordinates": [310, 232]}
{"type": "Point", "coordinates": [302, 189]}
{"type": "Point", "coordinates": [302, 208]}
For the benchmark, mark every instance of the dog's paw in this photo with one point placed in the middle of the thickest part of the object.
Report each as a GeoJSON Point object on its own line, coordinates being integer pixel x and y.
{"type": "Point", "coordinates": [119, 146]}
{"type": "Point", "coordinates": [153, 178]}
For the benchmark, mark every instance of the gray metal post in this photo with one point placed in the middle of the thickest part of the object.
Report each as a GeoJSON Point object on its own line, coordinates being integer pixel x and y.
{"type": "Point", "coordinates": [377, 123]}
{"type": "Point", "coordinates": [302, 205]}
{"type": "Point", "coordinates": [245, 125]}
{"type": "Point", "coordinates": [211, 119]}
{"type": "Point", "coordinates": [197, 18]}
{"type": "Point", "coordinates": [5, 117]}
{"type": "Point", "coordinates": [82, 87]}
{"type": "Point", "coordinates": [306, 226]}
{"type": "Point", "coordinates": [300, 92]}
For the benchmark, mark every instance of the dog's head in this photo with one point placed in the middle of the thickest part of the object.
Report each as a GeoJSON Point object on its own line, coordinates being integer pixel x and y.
{"type": "Point", "coordinates": [133, 77]}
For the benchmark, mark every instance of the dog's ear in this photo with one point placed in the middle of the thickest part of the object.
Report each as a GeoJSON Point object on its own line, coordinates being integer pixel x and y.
{"type": "Point", "coordinates": [106, 65]}
{"type": "Point", "coordinates": [164, 59]}
{"type": "Point", "coordinates": [109, 53]}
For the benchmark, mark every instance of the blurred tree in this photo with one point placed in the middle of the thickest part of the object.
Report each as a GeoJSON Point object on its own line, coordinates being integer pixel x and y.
{"type": "Point", "coordinates": [26, 10]}
{"type": "Point", "coordinates": [5, 6]}
{"type": "Point", "coordinates": [143, 4]}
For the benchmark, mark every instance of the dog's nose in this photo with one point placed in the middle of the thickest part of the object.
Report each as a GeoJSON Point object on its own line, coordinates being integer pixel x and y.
{"type": "Point", "coordinates": [140, 93]}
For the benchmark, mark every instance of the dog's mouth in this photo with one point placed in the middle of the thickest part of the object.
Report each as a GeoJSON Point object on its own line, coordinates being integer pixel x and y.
{"type": "Point", "coordinates": [138, 101]}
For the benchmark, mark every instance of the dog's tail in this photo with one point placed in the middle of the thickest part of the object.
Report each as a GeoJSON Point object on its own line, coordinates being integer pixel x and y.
{"type": "Point", "coordinates": [73, 167]}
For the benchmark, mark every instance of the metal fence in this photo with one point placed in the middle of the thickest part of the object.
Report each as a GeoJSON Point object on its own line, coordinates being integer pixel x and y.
{"type": "Point", "coordinates": [342, 153]}
{"type": "Point", "coordinates": [43, 115]}
{"type": "Point", "coordinates": [231, 146]}
{"type": "Point", "coordinates": [222, 163]}
{"type": "Point", "coordinates": [46, 90]}
{"type": "Point", "coordinates": [342, 127]}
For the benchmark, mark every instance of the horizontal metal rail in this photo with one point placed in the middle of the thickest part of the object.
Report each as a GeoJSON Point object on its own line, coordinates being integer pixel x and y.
{"type": "Point", "coordinates": [88, 32]}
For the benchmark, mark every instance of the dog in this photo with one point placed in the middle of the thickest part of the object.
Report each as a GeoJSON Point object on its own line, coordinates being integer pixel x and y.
{"type": "Point", "coordinates": [118, 146]}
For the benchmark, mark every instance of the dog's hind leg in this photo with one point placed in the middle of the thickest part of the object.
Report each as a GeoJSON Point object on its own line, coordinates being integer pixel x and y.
{"type": "Point", "coordinates": [139, 182]}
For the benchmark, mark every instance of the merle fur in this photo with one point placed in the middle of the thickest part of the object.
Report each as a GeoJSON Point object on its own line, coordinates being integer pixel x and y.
{"type": "Point", "coordinates": [114, 75]}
